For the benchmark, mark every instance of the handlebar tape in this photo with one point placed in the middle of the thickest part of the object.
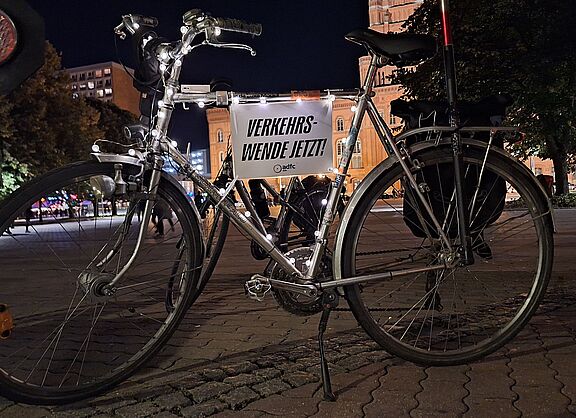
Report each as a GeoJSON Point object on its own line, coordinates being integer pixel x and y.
{"type": "Point", "coordinates": [236, 25]}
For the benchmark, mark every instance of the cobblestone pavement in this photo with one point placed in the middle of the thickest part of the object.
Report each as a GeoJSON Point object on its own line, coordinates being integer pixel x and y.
{"type": "Point", "coordinates": [235, 357]}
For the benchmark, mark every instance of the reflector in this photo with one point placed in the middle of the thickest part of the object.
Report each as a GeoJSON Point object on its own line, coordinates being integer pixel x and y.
{"type": "Point", "coordinates": [8, 37]}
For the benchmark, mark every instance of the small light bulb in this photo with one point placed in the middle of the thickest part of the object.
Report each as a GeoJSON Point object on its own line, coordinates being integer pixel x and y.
{"type": "Point", "coordinates": [292, 260]}
{"type": "Point", "coordinates": [269, 237]}
{"type": "Point", "coordinates": [131, 152]}
{"type": "Point", "coordinates": [324, 202]}
{"type": "Point", "coordinates": [308, 263]}
{"type": "Point", "coordinates": [316, 233]}
{"type": "Point", "coordinates": [136, 26]}
{"type": "Point", "coordinates": [222, 192]}
{"type": "Point", "coordinates": [155, 133]}
{"type": "Point", "coordinates": [164, 55]}
{"type": "Point", "coordinates": [178, 63]}
{"type": "Point", "coordinates": [331, 97]}
{"type": "Point", "coordinates": [162, 67]}
{"type": "Point", "coordinates": [170, 91]}
{"type": "Point", "coordinates": [299, 100]}
{"type": "Point", "coordinates": [174, 144]}
{"type": "Point", "coordinates": [95, 148]}
{"type": "Point", "coordinates": [335, 170]}
{"type": "Point", "coordinates": [160, 103]}
{"type": "Point", "coordinates": [236, 100]}
{"type": "Point", "coordinates": [217, 31]}
{"type": "Point", "coordinates": [201, 104]}
{"type": "Point", "coordinates": [353, 108]}
{"type": "Point", "coordinates": [247, 214]}
{"type": "Point", "coordinates": [183, 29]}
{"type": "Point", "coordinates": [263, 100]}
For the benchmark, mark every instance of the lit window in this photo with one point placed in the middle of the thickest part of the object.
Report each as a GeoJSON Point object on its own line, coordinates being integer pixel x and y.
{"type": "Point", "coordinates": [392, 120]}
{"type": "Point", "coordinates": [356, 160]}
{"type": "Point", "coordinates": [74, 87]}
{"type": "Point", "coordinates": [100, 93]}
{"type": "Point", "coordinates": [340, 124]}
{"type": "Point", "coordinates": [98, 73]}
{"type": "Point", "coordinates": [82, 86]}
{"type": "Point", "coordinates": [107, 71]}
{"type": "Point", "coordinates": [91, 85]}
{"type": "Point", "coordinates": [108, 92]}
{"type": "Point", "coordinates": [220, 135]}
{"type": "Point", "coordinates": [75, 95]}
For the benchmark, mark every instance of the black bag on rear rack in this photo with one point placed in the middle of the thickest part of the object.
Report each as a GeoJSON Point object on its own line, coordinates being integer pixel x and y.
{"type": "Point", "coordinates": [440, 178]}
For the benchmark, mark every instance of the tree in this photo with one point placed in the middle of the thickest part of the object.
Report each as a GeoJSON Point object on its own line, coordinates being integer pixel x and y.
{"type": "Point", "coordinates": [111, 123]}
{"type": "Point", "coordinates": [50, 128]}
{"type": "Point", "coordinates": [521, 47]}
{"type": "Point", "coordinates": [12, 172]}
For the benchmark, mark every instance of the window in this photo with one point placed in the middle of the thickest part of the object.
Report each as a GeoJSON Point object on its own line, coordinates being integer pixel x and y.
{"type": "Point", "coordinates": [108, 83]}
{"type": "Point", "coordinates": [75, 95]}
{"type": "Point", "coordinates": [107, 71]}
{"type": "Point", "coordinates": [220, 135]}
{"type": "Point", "coordinates": [100, 93]}
{"type": "Point", "coordinates": [91, 85]}
{"type": "Point", "coordinates": [98, 73]}
{"type": "Point", "coordinates": [356, 160]}
{"type": "Point", "coordinates": [392, 119]}
{"type": "Point", "coordinates": [90, 75]}
{"type": "Point", "coordinates": [108, 92]}
{"type": "Point", "coordinates": [100, 83]}
{"type": "Point", "coordinates": [221, 156]}
{"type": "Point", "coordinates": [83, 86]}
{"type": "Point", "coordinates": [74, 77]}
{"type": "Point", "coordinates": [83, 77]}
{"type": "Point", "coordinates": [340, 124]}
{"type": "Point", "coordinates": [74, 87]}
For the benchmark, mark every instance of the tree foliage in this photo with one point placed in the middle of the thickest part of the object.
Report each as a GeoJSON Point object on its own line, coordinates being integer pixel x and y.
{"type": "Point", "coordinates": [111, 123]}
{"type": "Point", "coordinates": [525, 48]}
{"type": "Point", "coordinates": [50, 128]}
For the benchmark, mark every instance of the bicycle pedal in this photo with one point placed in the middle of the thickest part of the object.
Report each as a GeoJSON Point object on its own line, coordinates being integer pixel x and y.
{"type": "Point", "coordinates": [257, 287]}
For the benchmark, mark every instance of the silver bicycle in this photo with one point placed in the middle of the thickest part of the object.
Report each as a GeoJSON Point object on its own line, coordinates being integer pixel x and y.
{"type": "Point", "coordinates": [443, 252]}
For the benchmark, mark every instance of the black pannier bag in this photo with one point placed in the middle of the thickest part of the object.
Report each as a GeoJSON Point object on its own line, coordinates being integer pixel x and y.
{"type": "Point", "coordinates": [490, 198]}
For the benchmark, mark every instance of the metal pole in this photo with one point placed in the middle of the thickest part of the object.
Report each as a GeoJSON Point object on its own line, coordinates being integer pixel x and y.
{"type": "Point", "coordinates": [452, 93]}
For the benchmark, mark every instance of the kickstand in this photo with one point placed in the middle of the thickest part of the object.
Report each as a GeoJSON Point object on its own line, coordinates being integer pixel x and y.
{"type": "Point", "coordinates": [330, 301]}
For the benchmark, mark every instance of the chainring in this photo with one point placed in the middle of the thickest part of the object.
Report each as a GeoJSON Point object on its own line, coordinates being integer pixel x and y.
{"type": "Point", "coordinates": [296, 303]}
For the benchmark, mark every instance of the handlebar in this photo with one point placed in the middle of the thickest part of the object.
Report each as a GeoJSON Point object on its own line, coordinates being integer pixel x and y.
{"type": "Point", "coordinates": [235, 25]}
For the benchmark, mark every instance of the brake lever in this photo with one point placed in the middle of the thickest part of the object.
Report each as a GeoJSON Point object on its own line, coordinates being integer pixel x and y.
{"type": "Point", "coordinates": [230, 46]}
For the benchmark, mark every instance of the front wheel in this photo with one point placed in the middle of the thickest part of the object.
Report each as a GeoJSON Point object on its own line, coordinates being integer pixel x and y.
{"type": "Point", "coordinates": [460, 313]}
{"type": "Point", "coordinates": [65, 236]}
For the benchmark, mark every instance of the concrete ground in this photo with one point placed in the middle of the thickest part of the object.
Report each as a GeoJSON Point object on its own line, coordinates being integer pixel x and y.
{"type": "Point", "coordinates": [236, 357]}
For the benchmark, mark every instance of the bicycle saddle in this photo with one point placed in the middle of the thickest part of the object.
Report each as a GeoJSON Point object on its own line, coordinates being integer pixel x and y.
{"type": "Point", "coordinates": [402, 49]}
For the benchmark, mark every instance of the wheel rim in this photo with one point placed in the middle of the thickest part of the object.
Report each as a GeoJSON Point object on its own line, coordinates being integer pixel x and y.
{"type": "Point", "coordinates": [454, 314]}
{"type": "Point", "coordinates": [68, 337]}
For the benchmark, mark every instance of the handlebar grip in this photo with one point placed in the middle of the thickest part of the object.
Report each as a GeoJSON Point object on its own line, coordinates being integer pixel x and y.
{"type": "Point", "coordinates": [236, 25]}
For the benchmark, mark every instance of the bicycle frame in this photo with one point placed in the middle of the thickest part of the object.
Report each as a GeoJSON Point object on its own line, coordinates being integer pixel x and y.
{"type": "Point", "coordinates": [303, 283]}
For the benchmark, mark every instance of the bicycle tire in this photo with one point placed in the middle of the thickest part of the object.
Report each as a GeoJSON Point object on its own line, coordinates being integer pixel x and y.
{"type": "Point", "coordinates": [473, 318]}
{"type": "Point", "coordinates": [125, 329]}
{"type": "Point", "coordinates": [215, 233]}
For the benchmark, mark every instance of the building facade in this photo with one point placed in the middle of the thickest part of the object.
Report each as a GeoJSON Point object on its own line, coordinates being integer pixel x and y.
{"type": "Point", "coordinates": [106, 81]}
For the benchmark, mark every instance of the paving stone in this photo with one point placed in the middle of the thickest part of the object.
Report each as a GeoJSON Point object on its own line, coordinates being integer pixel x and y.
{"type": "Point", "coordinates": [271, 387]}
{"type": "Point", "coordinates": [532, 403]}
{"type": "Point", "coordinates": [268, 373]}
{"type": "Point", "coordinates": [204, 409]}
{"type": "Point", "coordinates": [239, 398]}
{"type": "Point", "coordinates": [243, 379]}
{"type": "Point", "coordinates": [240, 414]}
{"type": "Point", "coordinates": [172, 400]}
{"type": "Point", "coordinates": [73, 412]}
{"type": "Point", "coordinates": [208, 391]}
{"type": "Point", "coordinates": [243, 367]}
{"type": "Point", "coordinates": [270, 360]}
{"type": "Point", "coordinates": [280, 405]}
{"type": "Point", "coordinates": [165, 414]}
{"type": "Point", "coordinates": [480, 407]}
{"type": "Point", "coordinates": [299, 378]}
{"type": "Point", "coordinates": [353, 362]}
{"type": "Point", "coordinates": [143, 409]}
{"type": "Point", "coordinates": [20, 411]}
{"type": "Point", "coordinates": [214, 374]}
{"type": "Point", "coordinates": [109, 406]}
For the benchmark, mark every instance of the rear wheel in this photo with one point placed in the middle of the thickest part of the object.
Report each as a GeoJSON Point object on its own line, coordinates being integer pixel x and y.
{"type": "Point", "coordinates": [456, 314]}
{"type": "Point", "coordinates": [70, 339]}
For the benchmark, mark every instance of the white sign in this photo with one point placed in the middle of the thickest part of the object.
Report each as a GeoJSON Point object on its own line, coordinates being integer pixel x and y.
{"type": "Point", "coordinates": [281, 139]}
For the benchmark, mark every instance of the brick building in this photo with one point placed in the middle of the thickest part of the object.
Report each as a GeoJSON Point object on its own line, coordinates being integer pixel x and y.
{"type": "Point", "coordinates": [106, 81]}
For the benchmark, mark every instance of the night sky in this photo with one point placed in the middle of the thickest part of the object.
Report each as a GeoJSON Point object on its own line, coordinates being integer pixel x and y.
{"type": "Point", "coordinates": [302, 45]}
